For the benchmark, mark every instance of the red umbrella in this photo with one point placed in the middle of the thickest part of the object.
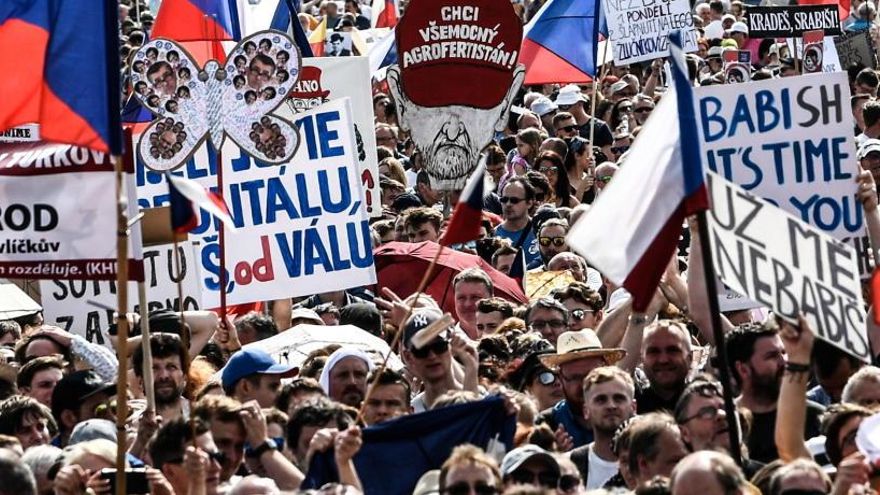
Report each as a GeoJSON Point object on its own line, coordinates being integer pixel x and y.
{"type": "Point", "coordinates": [401, 265]}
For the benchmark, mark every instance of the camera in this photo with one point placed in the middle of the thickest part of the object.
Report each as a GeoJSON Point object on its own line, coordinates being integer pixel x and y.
{"type": "Point", "coordinates": [135, 480]}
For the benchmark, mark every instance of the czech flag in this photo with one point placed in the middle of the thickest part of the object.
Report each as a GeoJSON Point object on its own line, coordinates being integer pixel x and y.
{"type": "Point", "coordinates": [386, 13]}
{"type": "Point", "coordinates": [559, 43]}
{"type": "Point", "coordinates": [186, 197]}
{"type": "Point", "coordinates": [464, 226]}
{"type": "Point", "coordinates": [842, 5]}
{"type": "Point", "coordinates": [60, 69]}
{"type": "Point", "coordinates": [631, 242]}
{"type": "Point", "coordinates": [285, 22]}
{"type": "Point", "coordinates": [200, 26]}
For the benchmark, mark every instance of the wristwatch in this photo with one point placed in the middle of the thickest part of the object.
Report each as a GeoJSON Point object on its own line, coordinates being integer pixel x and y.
{"type": "Point", "coordinates": [261, 449]}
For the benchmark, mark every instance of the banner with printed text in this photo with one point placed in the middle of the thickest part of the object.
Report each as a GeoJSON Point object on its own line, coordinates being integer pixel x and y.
{"type": "Point", "coordinates": [794, 20]}
{"type": "Point", "coordinates": [773, 257]}
{"type": "Point", "coordinates": [48, 229]}
{"type": "Point", "coordinates": [789, 141]}
{"type": "Point", "coordinates": [87, 308]}
{"type": "Point", "coordinates": [639, 29]}
{"type": "Point", "coordinates": [302, 228]}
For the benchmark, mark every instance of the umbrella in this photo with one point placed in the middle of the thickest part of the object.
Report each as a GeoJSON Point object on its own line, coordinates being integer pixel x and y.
{"type": "Point", "coordinates": [400, 266]}
{"type": "Point", "coordinates": [293, 345]}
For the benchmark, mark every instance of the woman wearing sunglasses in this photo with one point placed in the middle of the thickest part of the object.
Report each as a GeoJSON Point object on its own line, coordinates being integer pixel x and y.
{"type": "Point", "coordinates": [550, 164]}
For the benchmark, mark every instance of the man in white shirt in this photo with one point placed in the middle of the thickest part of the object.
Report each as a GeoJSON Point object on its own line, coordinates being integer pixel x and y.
{"type": "Point", "coordinates": [608, 402]}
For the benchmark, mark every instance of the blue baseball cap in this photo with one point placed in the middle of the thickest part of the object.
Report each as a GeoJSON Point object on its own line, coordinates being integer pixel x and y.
{"type": "Point", "coordinates": [250, 361]}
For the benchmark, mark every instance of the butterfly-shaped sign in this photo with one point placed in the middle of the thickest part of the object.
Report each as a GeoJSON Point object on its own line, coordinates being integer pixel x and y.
{"type": "Point", "coordinates": [234, 99]}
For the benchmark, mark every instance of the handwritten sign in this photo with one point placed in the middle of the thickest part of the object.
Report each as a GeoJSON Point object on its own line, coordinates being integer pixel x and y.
{"type": "Point", "coordinates": [789, 141]}
{"type": "Point", "coordinates": [856, 49]}
{"type": "Point", "coordinates": [639, 29]}
{"type": "Point", "coordinates": [87, 308]}
{"type": "Point", "coordinates": [780, 261]}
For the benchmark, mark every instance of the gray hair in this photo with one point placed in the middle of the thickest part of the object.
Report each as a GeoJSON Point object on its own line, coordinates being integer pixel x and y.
{"type": "Point", "coordinates": [869, 373]}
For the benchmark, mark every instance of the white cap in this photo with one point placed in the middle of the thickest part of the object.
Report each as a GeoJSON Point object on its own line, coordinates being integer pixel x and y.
{"type": "Point", "coordinates": [739, 27]}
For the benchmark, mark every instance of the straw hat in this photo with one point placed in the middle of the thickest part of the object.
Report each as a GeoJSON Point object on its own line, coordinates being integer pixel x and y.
{"type": "Point", "coordinates": [571, 346]}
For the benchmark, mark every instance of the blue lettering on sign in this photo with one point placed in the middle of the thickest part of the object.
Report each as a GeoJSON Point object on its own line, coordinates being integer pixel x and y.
{"type": "Point", "coordinates": [764, 114]}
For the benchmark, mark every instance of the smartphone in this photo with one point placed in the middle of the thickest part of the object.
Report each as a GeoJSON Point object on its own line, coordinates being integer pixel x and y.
{"type": "Point", "coordinates": [135, 480]}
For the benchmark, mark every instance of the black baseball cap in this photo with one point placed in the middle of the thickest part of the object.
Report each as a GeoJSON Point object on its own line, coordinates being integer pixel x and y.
{"type": "Point", "coordinates": [76, 387]}
{"type": "Point", "coordinates": [418, 321]}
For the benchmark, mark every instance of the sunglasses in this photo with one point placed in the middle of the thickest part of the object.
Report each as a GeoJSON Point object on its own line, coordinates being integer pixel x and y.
{"type": "Point", "coordinates": [626, 109]}
{"type": "Point", "coordinates": [510, 199]}
{"type": "Point", "coordinates": [439, 347]}
{"type": "Point", "coordinates": [567, 128]}
{"type": "Point", "coordinates": [619, 150]}
{"type": "Point", "coordinates": [556, 241]}
{"type": "Point", "coordinates": [604, 178]}
{"type": "Point", "coordinates": [464, 488]}
{"type": "Point", "coordinates": [546, 378]}
{"type": "Point", "coordinates": [547, 170]}
{"type": "Point", "coordinates": [644, 110]}
{"type": "Point", "coordinates": [580, 314]}
{"type": "Point", "coordinates": [525, 477]}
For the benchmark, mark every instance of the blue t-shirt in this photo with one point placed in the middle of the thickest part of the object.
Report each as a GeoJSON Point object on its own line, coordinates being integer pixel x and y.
{"type": "Point", "coordinates": [529, 245]}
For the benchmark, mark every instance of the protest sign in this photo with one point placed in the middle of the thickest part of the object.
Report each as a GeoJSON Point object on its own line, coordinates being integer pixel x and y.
{"type": "Point", "coordinates": [327, 78]}
{"type": "Point", "coordinates": [639, 30]}
{"type": "Point", "coordinates": [737, 66]}
{"type": "Point", "coordinates": [778, 260]}
{"type": "Point", "coordinates": [856, 49]}
{"type": "Point", "coordinates": [86, 308]}
{"type": "Point", "coordinates": [47, 227]}
{"type": "Point", "coordinates": [338, 44]}
{"type": "Point", "coordinates": [301, 227]}
{"type": "Point", "coordinates": [795, 20]}
{"type": "Point", "coordinates": [457, 77]}
{"type": "Point", "coordinates": [789, 141]}
{"type": "Point", "coordinates": [235, 99]}
{"type": "Point", "coordinates": [21, 134]}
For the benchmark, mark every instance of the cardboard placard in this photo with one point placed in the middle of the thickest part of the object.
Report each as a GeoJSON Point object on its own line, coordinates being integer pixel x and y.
{"type": "Point", "coordinates": [58, 213]}
{"type": "Point", "coordinates": [856, 49]}
{"type": "Point", "coordinates": [795, 20]}
{"type": "Point", "coordinates": [87, 308]}
{"type": "Point", "coordinates": [302, 228]}
{"type": "Point", "coordinates": [780, 261]}
{"type": "Point", "coordinates": [639, 30]}
{"type": "Point", "coordinates": [789, 141]}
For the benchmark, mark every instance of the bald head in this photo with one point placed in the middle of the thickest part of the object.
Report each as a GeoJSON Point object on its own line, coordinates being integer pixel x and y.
{"type": "Point", "coordinates": [707, 473]}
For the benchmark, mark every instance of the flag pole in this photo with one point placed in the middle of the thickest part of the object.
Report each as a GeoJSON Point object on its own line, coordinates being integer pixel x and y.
{"type": "Point", "coordinates": [733, 421]}
{"type": "Point", "coordinates": [121, 324]}
{"type": "Point", "coordinates": [147, 372]}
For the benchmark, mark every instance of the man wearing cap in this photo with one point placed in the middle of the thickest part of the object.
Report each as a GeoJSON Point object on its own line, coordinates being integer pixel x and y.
{"type": "Point", "coordinates": [546, 110]}
{"type": "Point", "coordinates": [869, 157]}
{"type": "Point", "coordinates": [577, 354]}
{"type": "Point", "coordinates": [252, 374]}
{"type": "Point", "coordinates": [535, 379]}
{"type": "Point", "coordinates": [431, 362]}
{"type": "Point", "coordinates": [75, 398]}
{"type": "Point", "coordinates": [739, 32]}
{"type": "Point", "coordinates": [344, 377]}
{"type": "Point", "coordinates": [530, 465]}
{"type": "Point", "coordinates": [570, 99]}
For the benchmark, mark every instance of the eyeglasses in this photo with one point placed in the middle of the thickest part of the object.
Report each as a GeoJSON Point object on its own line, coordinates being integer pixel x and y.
{"type": "Point", "coordinates": [708, 412]}
{"type": "Point", "coordinates": [526, 477]}
{"type": "Point", "coordinates": [546, 378]}
{"type": "Point", "coordinates": [556, 241]}
{"type": "Point", "coordinates": [564, 108]}
{"type": "Point", "coordinates": [580, 314]}
{"type": "Point", "coordinates": [619, 150]}
{"type": "Point", "coordinates": [626, 109]}
{"type": "Point", "coordinates": [568, 482]}
{"type": "Point", "coordinates": [439, 347]}
{"type": "Point", "coordinates": [510, 199]}
{"type": "Point", "coordinates": [464, 488]}
{"type": "Point", "coordinates": [547, 170]}
{"type": "Point", "coordinates": [567, 128]}
{"type": "Point", "coordinates": [541, 324]}
{"type": "Point", "coordinates": [644, 110]}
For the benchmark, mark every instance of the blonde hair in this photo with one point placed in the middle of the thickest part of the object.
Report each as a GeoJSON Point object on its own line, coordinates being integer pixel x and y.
{"type": "Point", "coordinates": [469, 454]}
{"type": "Point", "coordinates": [101, 448]}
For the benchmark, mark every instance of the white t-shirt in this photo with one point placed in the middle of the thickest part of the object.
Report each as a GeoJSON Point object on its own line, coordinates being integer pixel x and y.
{"type": "Point", "coordinates": [600, 470]}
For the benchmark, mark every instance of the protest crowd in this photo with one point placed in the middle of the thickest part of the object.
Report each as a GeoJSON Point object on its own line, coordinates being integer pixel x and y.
{"type": "Point", "coordinates": [558, 386]}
